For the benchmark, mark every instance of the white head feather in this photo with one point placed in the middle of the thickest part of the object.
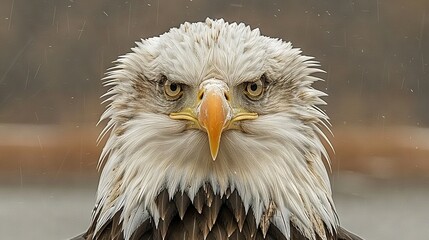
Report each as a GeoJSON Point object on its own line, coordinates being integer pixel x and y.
{"type": "Point", "coordinates": [278, 157]}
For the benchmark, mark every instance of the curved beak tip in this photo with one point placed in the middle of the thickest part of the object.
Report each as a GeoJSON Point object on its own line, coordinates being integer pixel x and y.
{"type": "Point", "coordinates": [214, 142]}
{"type": "Point", "coordinates": [214, 114]}
{"type": "Point", "coordinates": [214, 153]}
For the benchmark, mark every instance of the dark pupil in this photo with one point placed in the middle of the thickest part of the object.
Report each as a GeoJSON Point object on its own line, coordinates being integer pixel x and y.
{"type": "Point", "coordinates": [253, 87]}
{"type": "Point", "coordinates": [173, 87]}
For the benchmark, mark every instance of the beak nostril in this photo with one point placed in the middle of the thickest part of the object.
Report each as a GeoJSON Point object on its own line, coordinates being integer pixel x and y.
{"type": "Point", "coordinates": [201, 95]}
{"type": "Point", "coordinates": [226, 96]}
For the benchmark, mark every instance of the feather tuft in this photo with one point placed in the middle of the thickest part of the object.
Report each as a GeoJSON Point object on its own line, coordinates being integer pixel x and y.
{"type": "Point", "coordinates": [182, 202]}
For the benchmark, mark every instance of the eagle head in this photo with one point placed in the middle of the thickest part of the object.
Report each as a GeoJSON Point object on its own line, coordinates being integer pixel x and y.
{"type": "Point", "coordinates": [213, 110]}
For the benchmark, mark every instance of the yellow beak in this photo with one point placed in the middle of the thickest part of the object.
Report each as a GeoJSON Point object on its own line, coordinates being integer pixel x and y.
{"type": "Point", "coordinates": [214, 115]}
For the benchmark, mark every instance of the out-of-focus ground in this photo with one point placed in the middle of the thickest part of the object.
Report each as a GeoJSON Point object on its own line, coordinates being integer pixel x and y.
{"type": "Point", "coordinates": [373, 208]}
{"type": "Point", "coordinates": [54, 53]}
{"type": "Point", "coordinates": [389, 152]}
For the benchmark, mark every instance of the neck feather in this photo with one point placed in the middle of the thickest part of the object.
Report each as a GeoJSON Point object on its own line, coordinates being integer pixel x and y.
{"type": "Point", "coordinates": [276, 160]}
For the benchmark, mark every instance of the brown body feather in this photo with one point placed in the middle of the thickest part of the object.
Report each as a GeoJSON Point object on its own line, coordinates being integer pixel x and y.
{"type": "Point", "coordinates": [210, 216]}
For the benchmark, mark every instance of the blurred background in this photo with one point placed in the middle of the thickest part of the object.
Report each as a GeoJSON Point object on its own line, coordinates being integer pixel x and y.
{"type": "Point", "coordinates": [53, 54]}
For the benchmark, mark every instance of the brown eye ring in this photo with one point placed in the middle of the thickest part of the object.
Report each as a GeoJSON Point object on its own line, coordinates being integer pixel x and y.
{"type": "Point", "coordinates": [172, 91]}
{"type": "Point", "coordinates": [254, 90]}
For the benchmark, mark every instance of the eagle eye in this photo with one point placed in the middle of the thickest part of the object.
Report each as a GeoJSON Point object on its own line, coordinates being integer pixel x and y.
{"type": "Point", "coordinates": [172, 91]}
{"type": "Point", "coordinates": [254, 90]}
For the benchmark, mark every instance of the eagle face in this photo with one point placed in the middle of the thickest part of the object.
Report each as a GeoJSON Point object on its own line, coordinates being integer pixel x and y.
{"type": "Point", "coordinates": [214, 105]}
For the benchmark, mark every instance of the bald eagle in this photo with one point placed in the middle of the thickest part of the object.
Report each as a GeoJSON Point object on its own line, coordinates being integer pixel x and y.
{"type": "Point", "coordinates": [215, 133]}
